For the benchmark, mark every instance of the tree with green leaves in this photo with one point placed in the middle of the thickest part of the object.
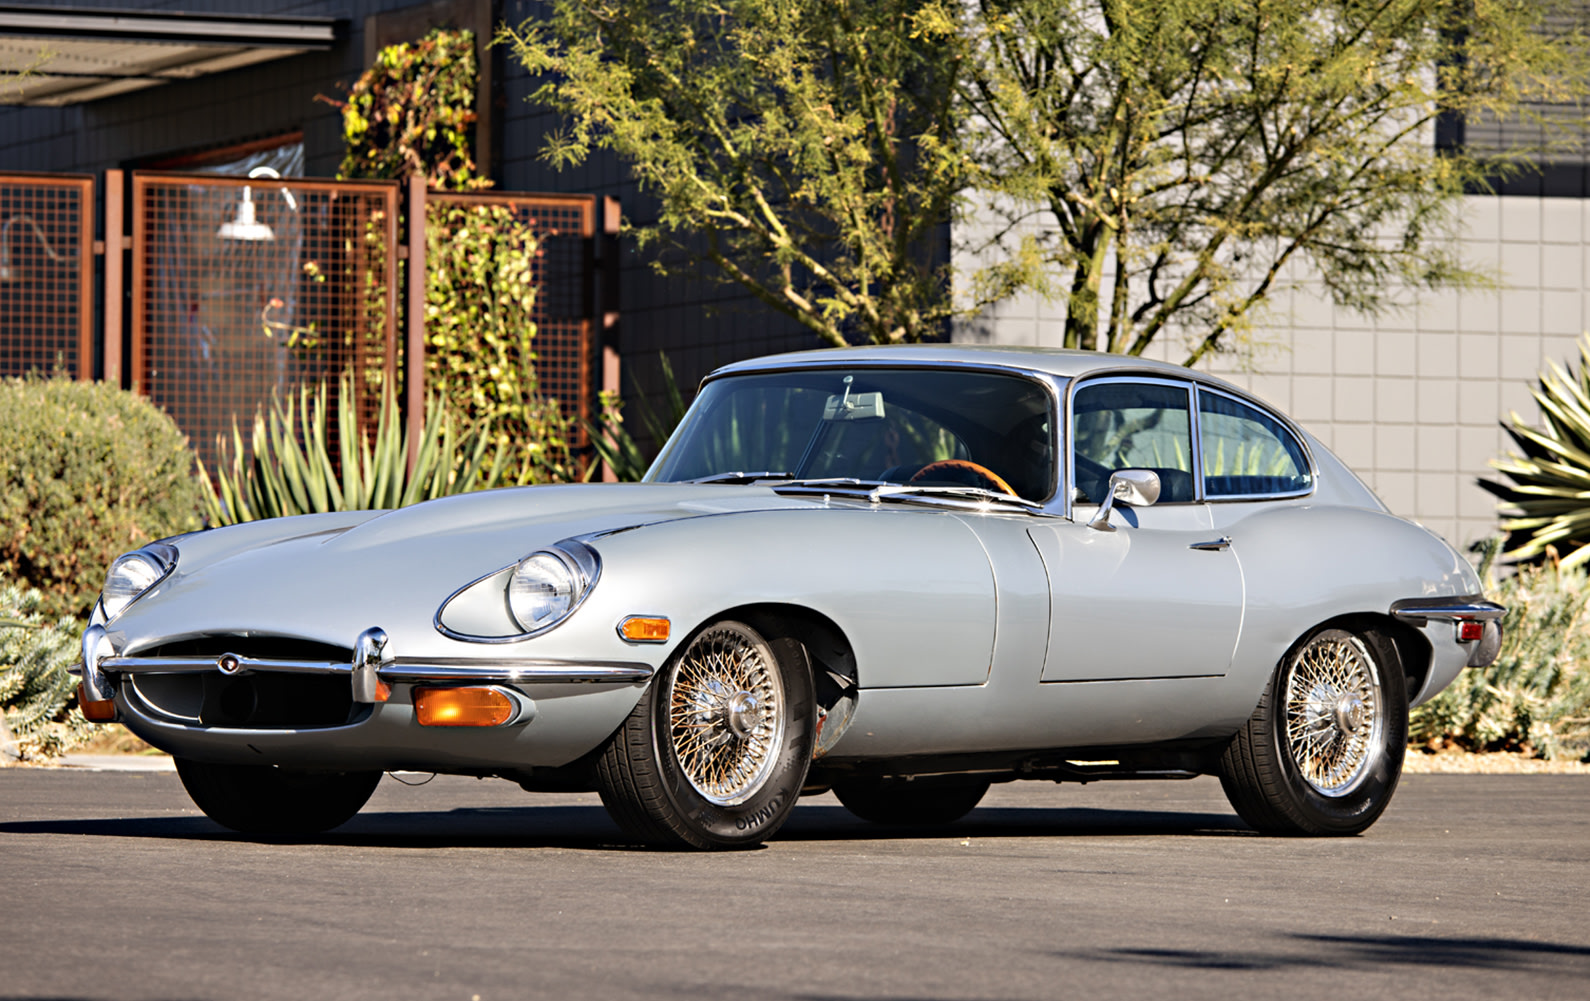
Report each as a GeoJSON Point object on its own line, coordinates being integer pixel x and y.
{"type": "Point", "coordinates": [808, 150]}
{"type": "Point", "coordinates": [1162, 163]}
{"type": "Point", "coordinates": [1160, 166]}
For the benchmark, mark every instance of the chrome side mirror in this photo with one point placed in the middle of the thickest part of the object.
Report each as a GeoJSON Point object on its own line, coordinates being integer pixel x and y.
{"type": "Point", "coordinates": [1133, 487]}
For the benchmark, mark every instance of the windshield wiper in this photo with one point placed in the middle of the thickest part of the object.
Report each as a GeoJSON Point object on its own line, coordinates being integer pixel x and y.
{"type": "Point", "coordinates": [888, 490]}
{"type": "Point", "coordinates": [738, 477]}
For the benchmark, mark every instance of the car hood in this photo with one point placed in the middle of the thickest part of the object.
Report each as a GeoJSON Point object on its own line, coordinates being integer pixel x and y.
{"type": "Point", "coordinates": [329, 576]}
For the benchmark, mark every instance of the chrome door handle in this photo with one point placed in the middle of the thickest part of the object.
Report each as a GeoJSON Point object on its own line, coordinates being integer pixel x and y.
{"type": "Point", "coordinates": [1213, 546]}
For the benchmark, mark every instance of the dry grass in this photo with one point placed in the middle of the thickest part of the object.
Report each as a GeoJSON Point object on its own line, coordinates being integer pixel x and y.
{"type": "Point", "coordinates": [1454, 762]}
{"type": "Point", "coordinates": [113, 738]}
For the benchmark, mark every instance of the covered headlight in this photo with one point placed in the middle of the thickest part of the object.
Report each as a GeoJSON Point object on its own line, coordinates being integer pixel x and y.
{"type": "Point", "coordinates": [549, 584]}
{"type": "Point", "coordinates": [135, 573]}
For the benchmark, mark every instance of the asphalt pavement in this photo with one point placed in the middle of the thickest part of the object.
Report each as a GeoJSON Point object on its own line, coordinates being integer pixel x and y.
{"type": "Point", "coordinates": [113, 886]}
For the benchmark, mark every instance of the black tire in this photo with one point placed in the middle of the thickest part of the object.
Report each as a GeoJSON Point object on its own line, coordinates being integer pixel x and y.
{"type": "Point", "coordinates": [897, 802]}
{"type": "Point", "coordinates": [1332, 772]}
{"type": "Point", "coordinates": [697, 765]}
{"type": "Point", "coordinates": [260, 799]}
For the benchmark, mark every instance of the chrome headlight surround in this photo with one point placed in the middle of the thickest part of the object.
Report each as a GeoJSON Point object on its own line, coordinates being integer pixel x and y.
{"type": "Point", "coordinates": [134, 575]}
{"type": "Point", "coordinates": [535, 595]}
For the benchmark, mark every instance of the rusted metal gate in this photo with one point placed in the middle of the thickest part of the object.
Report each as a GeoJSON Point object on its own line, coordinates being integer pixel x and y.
{"type": "Point", "coordinates": [565, 227]}
{"type": "Point", "coordinates": [245, 288]}
{"type": "Point", "coordinates": [46, 274]}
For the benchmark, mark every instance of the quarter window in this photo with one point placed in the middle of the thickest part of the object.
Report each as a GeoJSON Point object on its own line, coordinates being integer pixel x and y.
{"type": "Point", "coordinates": [1246, 452]}
{"type": "Point", "coordinates": [1132, 425]}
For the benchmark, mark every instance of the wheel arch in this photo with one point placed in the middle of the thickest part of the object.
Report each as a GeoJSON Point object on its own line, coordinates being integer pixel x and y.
{"type": "Point", "coordinates": [1412, 648]}
{"type": "Point", "coordinates": [832, 657]}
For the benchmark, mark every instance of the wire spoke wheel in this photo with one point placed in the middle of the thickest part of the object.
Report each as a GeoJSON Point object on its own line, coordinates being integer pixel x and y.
{"type": "Point", "coordinates": [725, 713]}
{"type": "Point", "coordinates": [1322, 752]}
{"type": "Point", "coordinates": [715, 753]}
{"type": "Point", "coordinates": [1334, 712]}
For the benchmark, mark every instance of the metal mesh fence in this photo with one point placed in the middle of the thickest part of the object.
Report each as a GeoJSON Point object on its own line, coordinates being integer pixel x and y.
{"type": "Point", "coordinates": [564, 345]}
{"type": "Point", "coordinates": [245, 289]}
{"type": "Point", "coordinates": [46, 274]}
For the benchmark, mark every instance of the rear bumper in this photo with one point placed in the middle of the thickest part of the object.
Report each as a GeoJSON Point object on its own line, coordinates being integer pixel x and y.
{"type": "Point", "coordinates": [1420, 612]}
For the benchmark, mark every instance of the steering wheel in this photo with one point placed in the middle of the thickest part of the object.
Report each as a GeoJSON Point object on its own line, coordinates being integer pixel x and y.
{"type": "Point", "coordinates": [987, 476]}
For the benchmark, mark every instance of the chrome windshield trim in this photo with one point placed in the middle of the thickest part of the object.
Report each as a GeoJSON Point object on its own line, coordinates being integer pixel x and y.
{"type": "Point", "coordinates": [1418, 611]}
{"type": "Point", "coordinates": [402, 669]}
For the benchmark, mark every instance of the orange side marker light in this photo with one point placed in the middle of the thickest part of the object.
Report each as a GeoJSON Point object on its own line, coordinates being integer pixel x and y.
{"type": "Point", "coordinates": [462, 707]}
{"type": "Point", "coordinates": [102, 711]}
{"type": "Point", "coordinates": [644, 629]}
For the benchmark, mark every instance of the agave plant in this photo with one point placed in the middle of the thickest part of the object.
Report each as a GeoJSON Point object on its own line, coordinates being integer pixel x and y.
{"type": "Point", "coordinates": [618, 448]}
{"type": "Point", "coordinates": [1547, 504]}
{"type": "Point", "coordinates": [288, 468]}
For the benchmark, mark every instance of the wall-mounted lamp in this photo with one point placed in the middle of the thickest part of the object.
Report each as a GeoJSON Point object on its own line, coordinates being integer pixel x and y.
{"type": "Point", "coordinates": [245, 226]}
{"type": "Point", "coordinates": [8, 273]}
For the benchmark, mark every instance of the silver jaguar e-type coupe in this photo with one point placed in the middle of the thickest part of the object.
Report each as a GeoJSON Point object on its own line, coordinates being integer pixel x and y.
{"type": "Point", "coordinates": [898, 573]}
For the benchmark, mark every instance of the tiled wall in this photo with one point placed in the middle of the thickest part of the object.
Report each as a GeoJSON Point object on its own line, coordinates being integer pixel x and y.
{"type": "Point", "coordinates": [1411, 399]}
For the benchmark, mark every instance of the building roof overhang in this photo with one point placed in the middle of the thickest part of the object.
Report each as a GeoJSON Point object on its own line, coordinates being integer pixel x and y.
{"type": "Point", "coordinates": [53, 56]}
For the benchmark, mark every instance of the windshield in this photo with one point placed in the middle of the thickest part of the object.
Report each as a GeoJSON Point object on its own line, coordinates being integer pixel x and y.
{"type": "Point", "coordinates": [923, 427]}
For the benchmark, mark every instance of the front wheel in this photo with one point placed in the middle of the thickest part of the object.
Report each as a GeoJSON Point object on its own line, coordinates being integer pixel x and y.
{"type": "Point", "coordinates": [1322, 753]}
{"type": "Point", "coordinates": [715, 753]}
{"type": "Point", "coordinates": [260, 799]}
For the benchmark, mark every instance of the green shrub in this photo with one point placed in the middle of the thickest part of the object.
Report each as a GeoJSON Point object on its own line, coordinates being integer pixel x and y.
{"type": "Point", "coordinates": [288, 468]}
{"type": "Point", "coordinates": [1536, 697]}
{"type": "Point", "coordinates": [87, 472]}
{"type": "Point", "coordinates": [38, 712]}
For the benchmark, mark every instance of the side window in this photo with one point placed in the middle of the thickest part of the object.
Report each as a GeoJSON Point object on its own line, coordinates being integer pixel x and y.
{"type": "Point", "coordinates": [1131, 425]}
{"type": "Point", "coordinates": [1246, 452]}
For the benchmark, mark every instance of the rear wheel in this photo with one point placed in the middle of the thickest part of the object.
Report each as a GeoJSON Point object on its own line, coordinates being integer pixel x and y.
{"type": "Point", "coordinates": [901, 802]}
{"type": "Point", "coordinates": [715, 753]}
{"type": "Point", "coordinates": [1322, 753]}
{"type": "Point", "coordinates": [260, 799]}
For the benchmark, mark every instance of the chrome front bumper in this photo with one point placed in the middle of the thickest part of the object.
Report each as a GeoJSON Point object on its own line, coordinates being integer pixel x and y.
{"type": "Point", "coordinates": [373, 662]}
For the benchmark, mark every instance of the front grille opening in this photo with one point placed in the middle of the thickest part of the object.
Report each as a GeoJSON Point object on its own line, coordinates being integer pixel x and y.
{"type": "Point", "coordinates": [265, 700]}
{"type": "Point", "coordinates": [260, 701]}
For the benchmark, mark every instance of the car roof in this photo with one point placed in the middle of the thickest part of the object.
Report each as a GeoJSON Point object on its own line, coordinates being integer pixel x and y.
{"type": "Point", "coordinates": [1059, 362]}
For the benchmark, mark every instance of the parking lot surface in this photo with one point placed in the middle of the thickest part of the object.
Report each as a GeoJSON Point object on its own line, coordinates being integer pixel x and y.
{"type": "Point", "coordinates": [114, 886]}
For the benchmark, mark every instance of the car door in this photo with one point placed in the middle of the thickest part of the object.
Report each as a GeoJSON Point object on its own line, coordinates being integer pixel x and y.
{"type": "Point", "coordinates": [1161, 596]}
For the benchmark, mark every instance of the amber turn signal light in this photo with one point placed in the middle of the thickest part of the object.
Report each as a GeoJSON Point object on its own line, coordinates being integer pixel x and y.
{"type": "Point", "coordinates": [644, 629]}
{"type": "Point", "coordinates": [102, 711]}
{"type": "Point", "coordinates": [462, 707]}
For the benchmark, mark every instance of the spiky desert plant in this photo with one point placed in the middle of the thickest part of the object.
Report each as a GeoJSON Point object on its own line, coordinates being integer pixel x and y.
{"type": "Point", "coordinates": [38, 714]}
{"type": "Point", "coordinates": [613, 442]}
{"type": "Point", "coordinates": [1536, 696]}
{"type": "Point", "coordinates": [1548, 501]}
{"type": "Point", "coordinates": [288, 468]}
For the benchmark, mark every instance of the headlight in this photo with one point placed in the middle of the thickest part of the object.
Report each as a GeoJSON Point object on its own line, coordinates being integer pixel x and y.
{"type": "Point", "coordinates": [135, 573]}
{"type": "Point", "coordinates": [547, 585]}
